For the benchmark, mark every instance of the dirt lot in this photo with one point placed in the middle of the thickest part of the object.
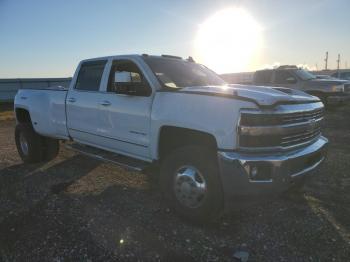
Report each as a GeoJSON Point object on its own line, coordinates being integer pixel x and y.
{"type": "Point", "coordinates": [76, 208]}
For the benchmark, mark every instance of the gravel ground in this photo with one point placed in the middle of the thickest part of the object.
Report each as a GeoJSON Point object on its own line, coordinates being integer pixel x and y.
{"type": "Point", "coordinates": [76, 208]}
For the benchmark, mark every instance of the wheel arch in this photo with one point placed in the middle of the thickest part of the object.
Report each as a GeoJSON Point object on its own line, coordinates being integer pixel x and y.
{"type": "Point", "coordinates": [172, 137]}
{"type": "Point", "coordinates": [22, 115]}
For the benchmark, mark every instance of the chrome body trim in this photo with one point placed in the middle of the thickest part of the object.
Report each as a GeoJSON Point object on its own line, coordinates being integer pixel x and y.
{"type": "Point", "coordinates": [309, 168]}
{"type": "Point", "coordinates": [273, 157]}
{"type": "Point", "coordinates": [102, 158]}
{"type": "Point", "coordinates": [278, 129]}
{"type": "Point", "coordinates": [288, 108]}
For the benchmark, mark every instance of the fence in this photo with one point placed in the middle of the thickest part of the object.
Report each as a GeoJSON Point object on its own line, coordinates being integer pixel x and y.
{"type": "Point", "coordinates": [9, 87]}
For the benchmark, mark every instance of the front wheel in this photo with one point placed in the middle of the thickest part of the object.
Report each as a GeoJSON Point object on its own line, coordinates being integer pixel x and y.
{"type": "Point", "coordinates": [191, 184]}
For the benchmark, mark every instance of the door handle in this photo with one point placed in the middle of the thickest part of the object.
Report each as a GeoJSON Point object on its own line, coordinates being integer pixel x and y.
{"type": "Point", "coordinates": [71, 99]}
{"type": "Point", "coordinates": [105, 103]}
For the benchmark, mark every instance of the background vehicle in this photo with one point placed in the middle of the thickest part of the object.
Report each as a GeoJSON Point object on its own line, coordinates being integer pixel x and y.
{"type": "Point", "coordinates": [325, 77]}
{"type": "Point", "coordinates": [342, 74]}
{"type": "Point", "coordinates": [214, 142]}
{"type": "Point", "coordinates": [330, 91]}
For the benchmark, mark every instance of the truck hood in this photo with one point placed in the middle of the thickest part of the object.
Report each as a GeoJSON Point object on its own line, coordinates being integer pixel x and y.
{"type": "Point", "coordinates": [261, 95]}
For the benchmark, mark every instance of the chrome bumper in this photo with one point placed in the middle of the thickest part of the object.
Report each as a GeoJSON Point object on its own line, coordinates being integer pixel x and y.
{"type": "Point", "coordinates": [277, 172]}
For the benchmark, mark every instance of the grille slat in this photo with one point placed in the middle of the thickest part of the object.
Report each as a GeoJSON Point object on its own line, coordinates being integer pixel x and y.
{"type": "Point", "coordinates": [300, 135]}
{"type": "Point", "coordinates": [254, 127]}
{"type": "Point", "coordinates": [303, 116]}
{"type": "Point", "coordinates": [301, 139]}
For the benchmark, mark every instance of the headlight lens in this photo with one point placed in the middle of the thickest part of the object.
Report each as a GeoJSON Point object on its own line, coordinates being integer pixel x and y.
{"type": "Point", "coordinates": [338, 88]}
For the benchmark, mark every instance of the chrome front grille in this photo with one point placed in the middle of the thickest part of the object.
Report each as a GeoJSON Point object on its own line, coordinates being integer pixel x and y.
{"type": "Point", "coordinates": [301, 138]}
{"type": "Point", "coordinates": [303, 116]}
{"type": "Point", "coordinates": [284, 128]}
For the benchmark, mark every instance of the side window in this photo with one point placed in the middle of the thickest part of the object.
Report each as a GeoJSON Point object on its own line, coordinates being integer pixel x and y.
{"type": "Point", "coordinates": [284, 77]}
{"type": "Point", "coordinates": [345, 75]}
{"type": "Point", "coordinates": [335, 75]}
{"type": "Point", "coordinates": [263, 77]}
{"type": "Point", "coordinates": [126, 78]}
{"type": "Point", "coordinates": [90, 76]}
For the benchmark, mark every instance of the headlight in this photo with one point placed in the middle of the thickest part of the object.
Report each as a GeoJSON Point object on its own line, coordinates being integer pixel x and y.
{"type": "Point", "coordinates": [337, 88]}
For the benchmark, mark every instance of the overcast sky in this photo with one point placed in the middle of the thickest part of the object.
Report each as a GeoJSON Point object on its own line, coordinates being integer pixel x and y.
{"type": "Point", "coordinates": [47, 38]}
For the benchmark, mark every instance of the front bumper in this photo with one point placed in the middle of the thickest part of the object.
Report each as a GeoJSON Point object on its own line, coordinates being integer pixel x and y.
{"type": "Point", "coordinates": [280, 170]}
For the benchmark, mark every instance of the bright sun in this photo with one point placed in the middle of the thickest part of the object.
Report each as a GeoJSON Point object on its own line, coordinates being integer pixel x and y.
{"type": "Point", "coordinates": [228, 41]}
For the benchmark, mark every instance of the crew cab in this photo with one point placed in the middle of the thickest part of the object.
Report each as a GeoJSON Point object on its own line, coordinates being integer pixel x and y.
{"type": "Point", "coordinates": [330, 91]}
{"type": "Point", "coordinates": [215, 144]}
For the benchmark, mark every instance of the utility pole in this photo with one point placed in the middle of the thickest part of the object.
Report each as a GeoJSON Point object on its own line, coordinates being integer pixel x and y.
{"type": "Point", "coordinates": [338, 62]}
{"type": "Point", "coordinates": [326, 61]}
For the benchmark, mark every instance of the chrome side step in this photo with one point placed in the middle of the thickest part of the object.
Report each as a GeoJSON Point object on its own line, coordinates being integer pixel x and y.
{"type": "Point", "coordinates": [103, 155]}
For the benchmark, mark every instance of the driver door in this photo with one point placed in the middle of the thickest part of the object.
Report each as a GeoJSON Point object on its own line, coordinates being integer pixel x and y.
{"type": "Point", "coordinates": [126, 110]}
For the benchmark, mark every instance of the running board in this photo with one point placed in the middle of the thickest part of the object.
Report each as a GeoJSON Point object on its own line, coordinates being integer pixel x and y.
{"type": "Point", "coordinates": [106, 156]}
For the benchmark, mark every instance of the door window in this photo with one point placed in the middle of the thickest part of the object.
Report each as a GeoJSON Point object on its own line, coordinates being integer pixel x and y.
{"type": "Point", "coordinates": [284, 77]}
{"type": "Point", "coordinates": [345, 75]}
{"type": "Point", "coordinates": [126, 78]}
{"type": "Point", "coordinates": [90, 76]}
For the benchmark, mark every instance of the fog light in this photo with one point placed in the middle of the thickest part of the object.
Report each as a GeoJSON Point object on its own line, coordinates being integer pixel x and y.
{"type": "Point", "coordinates": [259, 171]}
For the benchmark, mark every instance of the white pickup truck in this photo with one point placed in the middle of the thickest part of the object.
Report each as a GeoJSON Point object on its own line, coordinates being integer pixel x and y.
{"type": "Point", "coordinates": [215, 144]}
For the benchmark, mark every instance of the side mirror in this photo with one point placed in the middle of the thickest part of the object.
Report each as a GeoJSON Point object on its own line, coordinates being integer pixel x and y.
{"type": "Point", "coordinates": [291, 80]}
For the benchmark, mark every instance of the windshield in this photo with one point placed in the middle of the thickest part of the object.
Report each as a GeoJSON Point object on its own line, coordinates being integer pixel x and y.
{"type": "Point", "coordinates": [304, 75]}
{"type": "Point", "coordinates": [176, 73]}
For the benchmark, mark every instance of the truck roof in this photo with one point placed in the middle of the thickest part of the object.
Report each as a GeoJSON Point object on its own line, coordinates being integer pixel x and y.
{"type": "Point", "coordinates": [190, 59]}
{"type": "Point", "coordinates": [282, 67]}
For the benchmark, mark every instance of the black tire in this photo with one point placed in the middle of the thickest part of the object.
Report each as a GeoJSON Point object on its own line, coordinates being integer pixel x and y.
{"type": "Point", "coordinates": [51, 148]}
{"type": "Point", "coordinates": [34, 152]}
{"type": "Point", "coordinates": [203, 160]}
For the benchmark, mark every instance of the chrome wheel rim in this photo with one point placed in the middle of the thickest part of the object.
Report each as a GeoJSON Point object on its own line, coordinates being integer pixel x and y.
{"type": "Point", "coordinates": [24, 144]}
{"type": "Point", "coordinates": [190, 186]}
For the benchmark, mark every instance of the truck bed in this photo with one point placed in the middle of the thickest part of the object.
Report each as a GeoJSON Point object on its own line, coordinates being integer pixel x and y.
{"type": "Point", "coordinates": [47, 109]}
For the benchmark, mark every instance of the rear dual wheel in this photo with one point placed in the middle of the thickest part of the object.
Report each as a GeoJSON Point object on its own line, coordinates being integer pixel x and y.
{"type": "Point", "coordinates": [32, 147]}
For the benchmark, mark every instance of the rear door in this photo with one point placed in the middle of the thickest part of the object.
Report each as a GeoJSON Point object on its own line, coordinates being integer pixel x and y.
{"type": "Point", "coordinates": [83, 103]}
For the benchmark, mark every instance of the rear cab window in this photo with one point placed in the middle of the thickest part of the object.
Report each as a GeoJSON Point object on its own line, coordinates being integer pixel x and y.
{"type": "Point", "coordinates": [90, 75]}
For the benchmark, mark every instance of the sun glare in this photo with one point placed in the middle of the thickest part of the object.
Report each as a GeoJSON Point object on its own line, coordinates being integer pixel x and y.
{"type": "Point", "coordinates": [228, 41]}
